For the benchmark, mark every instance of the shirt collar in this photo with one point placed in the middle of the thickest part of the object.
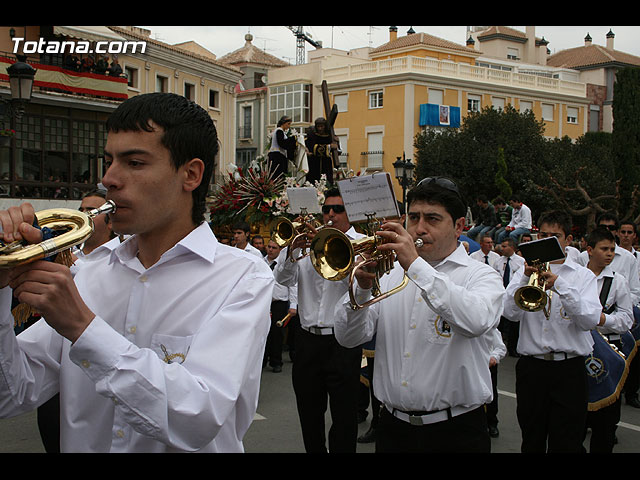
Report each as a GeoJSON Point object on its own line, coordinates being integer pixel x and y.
{"type": "Point", "coordinates": [200, 241]}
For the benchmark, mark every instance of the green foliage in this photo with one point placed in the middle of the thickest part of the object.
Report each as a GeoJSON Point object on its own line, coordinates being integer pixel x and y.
{"type": "Point", "coordinates": [503, 186]}
{"type": "Point", "coordinates": [626, 128]}
{"type": "Point", "coordinates": [496, 151]}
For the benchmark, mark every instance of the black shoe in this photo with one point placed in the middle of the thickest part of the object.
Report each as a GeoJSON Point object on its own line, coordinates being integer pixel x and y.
{"type": "Point", "coordinates": [493, 431]}
{"type": "Point", "coordinates": [368, 437]}
{"type": "Point", "coordinates": [276, 369]}
{"type": "Point", "coordinates": [634, 402]}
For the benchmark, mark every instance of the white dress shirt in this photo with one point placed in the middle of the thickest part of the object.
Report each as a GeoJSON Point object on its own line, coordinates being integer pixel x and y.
{"type": "Point", "coordinates": [516, 262]}
{"type": "Point", "coordinates": [171, 362]}
{"type": "Point", "coordinates": [479, 255]}
{"type": "Point", "coordinates": [317, 297]}
{"type": "Point", "coordinates": [497, 348]}
{"type": "Point", "coordinates": [575, 309]}
{"type": "Point", "coordinates": [621, 319]}
{"type": "Point", "coordinates": [251, 249]}
{"type": "Point", "coordinates": [625, 263]}
{"type": "Point", "coordinates": [282, 292]}
{"type": "Point", "coordinates": [432, 337]}
{"type": "Point", "coordinates": [521, 217]}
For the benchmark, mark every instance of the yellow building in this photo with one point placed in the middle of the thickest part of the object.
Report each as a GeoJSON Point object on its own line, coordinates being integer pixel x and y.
{"type": "Point", "coordinates": [386, 95]}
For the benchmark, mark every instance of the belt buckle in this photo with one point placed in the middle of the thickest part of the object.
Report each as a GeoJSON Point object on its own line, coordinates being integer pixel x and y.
{"type": "Point", "coordinates": [415, 420]}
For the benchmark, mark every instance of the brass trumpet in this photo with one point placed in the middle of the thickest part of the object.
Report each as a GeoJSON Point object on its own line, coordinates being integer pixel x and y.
{"type": "Point", "coordinates": [76, 226]}
{"type": "Point", "coordinates": [285, 232]}
{"type": "Point", "coordinates": [333, 255]}
{"type": "Point", "coordinates": [533, 297]}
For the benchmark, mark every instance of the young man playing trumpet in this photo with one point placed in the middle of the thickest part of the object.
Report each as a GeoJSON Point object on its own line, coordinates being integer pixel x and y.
{"type": "Point", "coordinates": [432, 337]}
{"type": "Point", "coordinates": [145, 355]}
{"type": "Point", "coordinates": [551, 382]}
{"type": "Point", "coordinates": [323, 370]}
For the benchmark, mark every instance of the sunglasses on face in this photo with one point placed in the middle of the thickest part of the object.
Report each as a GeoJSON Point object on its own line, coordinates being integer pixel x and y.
{"type": "Point", "coordinates": [610, 227]}
{"type": "Point", "coordinates": [336, 209]}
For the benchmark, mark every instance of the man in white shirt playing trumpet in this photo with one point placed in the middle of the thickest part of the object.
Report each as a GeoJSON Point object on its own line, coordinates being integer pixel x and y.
{"type": "Point", "coordinates": [158, 346]}
{"type": "Point", "coordinates": [432, 337]}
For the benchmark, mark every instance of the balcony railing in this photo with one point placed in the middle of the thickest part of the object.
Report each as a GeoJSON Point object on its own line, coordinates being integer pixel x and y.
{"type": "Point", "coordinates": [458, 71]}
{"type": "Point", "coordinates": [58, 79]}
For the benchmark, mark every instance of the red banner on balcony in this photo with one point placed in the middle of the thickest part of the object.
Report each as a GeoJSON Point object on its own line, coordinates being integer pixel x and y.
{"type": "Point", "coordinates": [93, 84]}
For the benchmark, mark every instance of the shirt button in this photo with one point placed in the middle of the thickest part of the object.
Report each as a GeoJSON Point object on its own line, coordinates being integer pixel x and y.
{"type": "Point", "coordinates": [413, 325]}
{"type": "Point", "coordinates": [407, 354]}
{"type": "Point", "coordinates": [143, 278]}
{"type": "Point", "coordinates": [120, 433]}
{"type": "Point", "coordinates": [404, 383]}
{"type": "Point", "coordinates": [85, 363]}
{"type": "Point", "coordinates": [132, 329]}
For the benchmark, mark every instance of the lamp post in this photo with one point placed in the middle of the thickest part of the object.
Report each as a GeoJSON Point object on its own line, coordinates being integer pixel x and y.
{"type": "Point", "coordinates": [404, 175]}
{"type": "Point", "coordinates": [21, 76]}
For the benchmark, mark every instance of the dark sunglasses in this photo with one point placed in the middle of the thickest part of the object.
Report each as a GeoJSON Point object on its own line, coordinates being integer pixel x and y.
{"type": "Point", "coordinates": [336, 209]}
{"type": "Point", "coordinates": [441, 182]}
{"type": "Point", "coordinates": [611, 228]}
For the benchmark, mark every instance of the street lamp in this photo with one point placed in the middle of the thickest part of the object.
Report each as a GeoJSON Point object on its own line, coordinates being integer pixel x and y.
{"type": "Point", "coordinates": [404, 175]}
{"type": "Point", "coordinates": [21, 76]}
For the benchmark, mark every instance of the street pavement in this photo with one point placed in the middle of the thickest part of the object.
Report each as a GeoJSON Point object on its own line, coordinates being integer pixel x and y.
{"type": "Point", "coordinates": [276, 428]}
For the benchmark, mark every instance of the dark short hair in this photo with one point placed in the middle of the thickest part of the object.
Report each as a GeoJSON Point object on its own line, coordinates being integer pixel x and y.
{"type": "Point", "coordinates": [609, 216]}
{"type": "Point", "coordinates": [433, 191]}
{"type": "Point", "coordinates": [98, 192]}
{"type": "Point", "coordinates": [510, 241]}
{"type": "Point", "coordinates": [244, 226]}
{"type": "Point", "coordinates": [499, 201]}
{"type": "Point", "coordinates": [482, 198]}
{"type": "Point", "coordinates": [189, 132]}
{"type": "Point", "coordinates": [332, 192]}
{"type": "Point", "coordinates": [515, 197]}
{"type": "Point", "coordinates": [557, 217]}
{"type": "Point", "coordinates": [598, 235]}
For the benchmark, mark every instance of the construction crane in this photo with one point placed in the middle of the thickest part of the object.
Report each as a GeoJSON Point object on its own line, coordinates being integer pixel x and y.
{"type": "Point", "coordinates": [302, 37]}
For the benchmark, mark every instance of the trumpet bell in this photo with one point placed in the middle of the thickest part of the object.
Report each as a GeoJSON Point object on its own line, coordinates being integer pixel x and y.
{"type": "Point", "coordinates": [283, 231]}
{"type": "Point", "coordinates": [332, 254]}
{"type": "Point", "coordinates": [530, 298]}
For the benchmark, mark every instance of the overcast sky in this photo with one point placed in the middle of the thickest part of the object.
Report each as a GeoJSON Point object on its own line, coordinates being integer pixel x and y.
{"type": "Point", "coordinates": [281, 42]}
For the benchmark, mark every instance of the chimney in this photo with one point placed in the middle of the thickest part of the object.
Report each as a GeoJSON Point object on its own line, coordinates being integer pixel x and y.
{"type": "Point", "coordinates": [530, 47]}
{"type": "Point", "coordinates": [610, 37]}
{"type": "Point", "coordinates": [587, 40]}
{"type": "Point", "coordinates": [393, 33]}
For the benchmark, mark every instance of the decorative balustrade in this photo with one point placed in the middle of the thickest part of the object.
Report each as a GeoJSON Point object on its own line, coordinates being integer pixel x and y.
{"type": "Point", "coordinates": [459, 71]}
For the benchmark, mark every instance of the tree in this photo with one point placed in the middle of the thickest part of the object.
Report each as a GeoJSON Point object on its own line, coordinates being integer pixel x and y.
{"type": "Point", "coordinates": [626, 132]}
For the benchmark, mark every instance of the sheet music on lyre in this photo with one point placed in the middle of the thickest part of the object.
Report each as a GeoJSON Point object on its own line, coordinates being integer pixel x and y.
{"type": "Point", "coordinates": [303, 199]}
{"type": "Point", "coordinates": [369, 194]}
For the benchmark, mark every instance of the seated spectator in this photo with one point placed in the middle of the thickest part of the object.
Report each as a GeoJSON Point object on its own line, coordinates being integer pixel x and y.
{"type": "Point", "coordinates": [503, 216]}
{"type": "Point", "coordinates": [520, 220]}
{"type": "Point", "coordinates": [486, 219]}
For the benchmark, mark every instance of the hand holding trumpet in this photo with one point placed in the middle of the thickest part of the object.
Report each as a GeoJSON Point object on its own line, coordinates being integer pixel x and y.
{"type": "Point", "coordinates": [396, 239]}
{"type": "Point", "coordinates": [46, 286]}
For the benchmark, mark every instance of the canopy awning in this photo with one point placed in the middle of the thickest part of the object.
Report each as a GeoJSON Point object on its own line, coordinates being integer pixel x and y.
{"type": "Point", "coordinates": [91, 34]}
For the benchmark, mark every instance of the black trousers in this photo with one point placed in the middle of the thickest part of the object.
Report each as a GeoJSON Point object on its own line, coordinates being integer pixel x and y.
{"type": "Point", "coordinates": [273, 349]}
{"type": "Point", "coordinates": [492, 408]}
{"type": "Point", "coordinates": [324, 370]}
{"type": "Point", "coordinates": [466, 433]}
{"type": "Point", "coordinates": [603, 424]}
{"type": "Point", "coordinates": [552, 404]}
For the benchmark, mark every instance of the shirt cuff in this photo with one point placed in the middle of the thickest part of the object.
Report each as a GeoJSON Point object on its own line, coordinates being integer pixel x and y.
{"type": "Point", "coordinates": [98, 349]}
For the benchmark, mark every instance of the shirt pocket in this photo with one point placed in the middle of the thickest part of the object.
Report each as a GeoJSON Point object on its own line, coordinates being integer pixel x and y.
{"type": "Point", "coordinates": [438, 330]}
{"type": "Point", "coordinates": [171, 348]}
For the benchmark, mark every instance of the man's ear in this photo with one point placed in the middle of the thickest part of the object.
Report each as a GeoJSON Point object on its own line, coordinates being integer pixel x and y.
{"type": "Point", "coordinates": [193, 173]}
